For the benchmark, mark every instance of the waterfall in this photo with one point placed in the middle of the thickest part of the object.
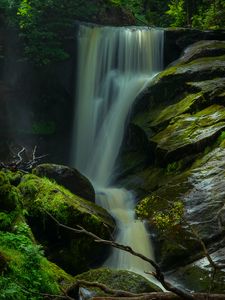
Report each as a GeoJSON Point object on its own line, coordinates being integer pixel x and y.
{"type": "Point", "coordinates": [114, 65]}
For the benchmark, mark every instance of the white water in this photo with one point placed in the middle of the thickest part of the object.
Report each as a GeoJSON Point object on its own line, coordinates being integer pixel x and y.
{"type": "Point", "coordinates": [114, 66]}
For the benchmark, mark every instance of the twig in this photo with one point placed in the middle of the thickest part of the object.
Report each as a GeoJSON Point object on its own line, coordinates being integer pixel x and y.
{"type": "Point", "coordinates": [19, 156]}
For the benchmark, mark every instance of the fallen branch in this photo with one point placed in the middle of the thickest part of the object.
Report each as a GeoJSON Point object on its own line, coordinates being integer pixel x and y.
{"type": "Point", "coordinates": [157, 274]}
{"type": "Point", "coordinates": [103, 287]}
{"type": "Point", "coordinates": [214, 265]}
{"type": "Point", "coordinates": [22, 162]}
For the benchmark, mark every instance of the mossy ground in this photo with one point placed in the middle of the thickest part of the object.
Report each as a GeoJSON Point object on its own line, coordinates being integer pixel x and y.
{"type": "Point", "coordinates": [25, 272]}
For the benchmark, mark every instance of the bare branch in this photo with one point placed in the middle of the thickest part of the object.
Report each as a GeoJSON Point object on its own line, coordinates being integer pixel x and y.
{"type": "Point", "coordinates": [19, 156]}
{"type": "Point", "coordinates": [103, 287]}
{"type": "Point", "coordinates": [157, 274]}
{"type": "Point", "coordinates": [214, 265]}
{"type": "Point", "coordinates": [23, 164]}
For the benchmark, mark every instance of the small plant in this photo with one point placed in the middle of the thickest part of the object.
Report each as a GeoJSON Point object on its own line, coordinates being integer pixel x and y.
{"type": "Point", "coordinates": [165, 216]}
{"type": "Point", "coordinates": [26, 276]}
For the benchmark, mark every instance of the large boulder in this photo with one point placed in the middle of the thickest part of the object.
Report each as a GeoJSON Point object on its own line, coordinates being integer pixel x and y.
{"type": "Point", "coordinates": [44, 199]}
{"type": "Point", "coordinates": [70, 178]}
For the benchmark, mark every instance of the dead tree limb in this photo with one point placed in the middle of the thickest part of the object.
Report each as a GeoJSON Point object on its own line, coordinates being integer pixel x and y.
{"type": "Point", "coordinates": [214, 265]}
{"type": "Point", "coordinates": [22, 162]}
{"type": "Point", "coordinates": [19, 155]}
{"type": "Point", "coordinates": [157, 274]}
{"type": "Point", "coordinates": [103, 287]}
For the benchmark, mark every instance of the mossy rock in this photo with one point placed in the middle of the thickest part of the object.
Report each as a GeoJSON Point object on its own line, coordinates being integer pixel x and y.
{"type": "Point", "coordinates": [170, 86]}
{"type": "Point", "coordinates": [68, 177]}
{"type": "Point", "coordinates": [72, 251]}
{"type": "Point", "coordinates": [177, 39]}
{"type": "Point", "coordinates": [9, 197]}
{"type": "Point", "coordinates": [118, 280]}
{"type": "Point", "coordinates": [205, 48]}
{"type": "Point", "coordinates": [189, 133]}
{"type": "Point", "coordinates": [3, 262]}
{"type": "Point", "coordinates": [9, 177]}
{"type": "Point", "coordinates": [179, 93]}
{"type": "Point", "coordinates": [200, 187]}
{"type": "Point", "coordinates": [3, 178]}
{"type": "Point", "coordinates": [25, 268]}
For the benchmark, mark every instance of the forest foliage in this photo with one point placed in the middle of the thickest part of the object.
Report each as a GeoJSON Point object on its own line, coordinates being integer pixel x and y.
{"type": "Point", "coordinates": [45, 24]}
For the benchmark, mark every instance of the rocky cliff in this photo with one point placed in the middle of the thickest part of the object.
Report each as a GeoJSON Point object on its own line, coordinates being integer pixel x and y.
{"type": "Point", "coordinates": [180, 177]}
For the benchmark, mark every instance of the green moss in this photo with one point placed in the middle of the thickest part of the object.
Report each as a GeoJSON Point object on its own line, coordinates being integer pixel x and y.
{"type": "Point", "coordinates": [9, 197]}
{"type": "Point", "coordinates": [189, 133]}
{"type": "Point", "coordinates": [118, 280]}
{"type": "Point", "coordinates": [7, 220]}
{"type": "Point", "coordinates": [221, 137]}
{"type": "Point", "coordinates": [165, 215]}
{"type": "Point", "coordinates": [14, 177]}
{"type": "Point", "coordinates": [188, 104]}
{"type": "Point", "coordinates": [28, 273]}
{"type": "Point", "coordinates": [3, 178]}
{"type": "Point", "coordinates": [180, 67]}
{"type": "Point", "coordinates": [177, 166]}
{"type": "Point", "coordinates": [204, 60]}
{"type": "Point", "coordinates": [73, 252]}
{"type": "Point", "coordinates": [42, 194]}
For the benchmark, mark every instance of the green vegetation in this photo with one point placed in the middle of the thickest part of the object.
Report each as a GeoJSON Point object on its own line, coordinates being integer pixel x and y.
{"type": "Point", "coordinates": [160, 213]}
{"type": "Point", "coordinates": [73, 252]}
{"type": "Point", "coordinates": [205, 14]}
{"type": "Point", "coordinates": [25, 272]}
{"type": "Point", "coordinates": [46, 25]}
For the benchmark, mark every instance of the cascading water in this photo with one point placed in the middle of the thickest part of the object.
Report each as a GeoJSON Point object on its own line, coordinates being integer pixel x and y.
{"type": "Point", "coordinates": [114, 66]}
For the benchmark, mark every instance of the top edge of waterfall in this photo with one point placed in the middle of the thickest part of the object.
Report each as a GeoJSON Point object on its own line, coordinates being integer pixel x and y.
{"type": "Point", "coordinates": [89, 24]}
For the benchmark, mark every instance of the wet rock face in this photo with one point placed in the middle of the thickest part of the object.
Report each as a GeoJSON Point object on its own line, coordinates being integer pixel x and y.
{"type": "Point", "coordinates": [70, 178]}
{"type": "Point", "coordinates": [183, 116]}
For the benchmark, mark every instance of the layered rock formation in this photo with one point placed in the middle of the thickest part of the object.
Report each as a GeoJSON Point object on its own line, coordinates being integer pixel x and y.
{"type": "Point", "coordinates": [183, 118]}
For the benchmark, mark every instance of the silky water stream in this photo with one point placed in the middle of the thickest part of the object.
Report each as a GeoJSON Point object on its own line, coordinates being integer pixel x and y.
{"type": "Point", "coordinates": [115, 64]}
